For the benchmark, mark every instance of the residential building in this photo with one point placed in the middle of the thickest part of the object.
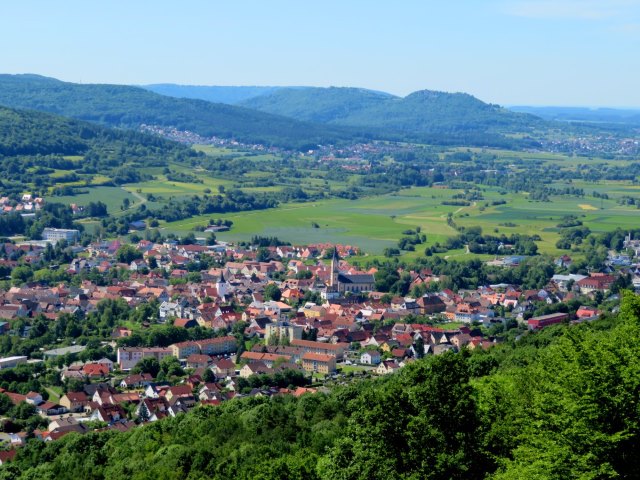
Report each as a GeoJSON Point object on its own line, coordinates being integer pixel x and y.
{"type": "Point", "coordinates": [319, 363]}
{"type": "Point", "coordinates": [267, 358]}
{"type": "Point", "coordinates": [210, 346]}
{"type": "Point", "coordinates": [128, 357]}
{"type": "Point", "coordinates": [57, 234]}
{"type": "Point", "coordinates": [11, 362]}
{"type": "Point", "coordinates": [308, 346]}
{"type": "Point", "coordinates": [538, 323]}
{"type": "Point", "coordinates": [430, 304]}
{"type": "Point", "coordinates": [370, 357]}
{"type": "Point", "coordinates": [386, 367]}
{"type": "Point", "coordinates": [596, 282]}
{"type": "Point", "coordinates": [74, 401]}
{"type": "Point", "coordinates": [282, 330]}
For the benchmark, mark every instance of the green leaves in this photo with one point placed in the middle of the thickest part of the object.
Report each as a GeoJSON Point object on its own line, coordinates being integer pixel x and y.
{"type": "Point", "coordinates": [558, 404]}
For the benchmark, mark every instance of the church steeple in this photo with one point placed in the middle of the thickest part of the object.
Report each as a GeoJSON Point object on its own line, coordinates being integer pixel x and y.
{"type": "Point", "coordinates": [334, 268]}
{"type": "Point", "coordinates": [222, 286]}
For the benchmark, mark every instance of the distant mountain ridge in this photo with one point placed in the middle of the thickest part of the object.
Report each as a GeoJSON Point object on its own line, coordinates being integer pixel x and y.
{"type": "Point", "coordinates": [290, 117]}
{"type": "Point", "coordinates": [423, 111]}
{"type": "Point", "coordinates": [128, 107]}
{"type": "Point", "coordinates": [627, 116]}
{"type": "Point", "coordinates": [215, 94]}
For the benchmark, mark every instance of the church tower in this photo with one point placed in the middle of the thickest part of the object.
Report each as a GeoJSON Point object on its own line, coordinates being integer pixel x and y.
{"type": "Point", "coordinates": [334, 268]}
{"type": "Point", "coordinates": [222, 286]}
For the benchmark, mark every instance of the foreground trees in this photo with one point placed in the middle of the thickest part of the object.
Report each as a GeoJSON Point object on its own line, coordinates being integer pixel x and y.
{"type": "Point", "coordinates": [558, 404]}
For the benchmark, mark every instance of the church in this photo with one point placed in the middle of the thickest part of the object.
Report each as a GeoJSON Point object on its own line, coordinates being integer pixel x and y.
{"type": "Point", "coordinates": [342, 283]}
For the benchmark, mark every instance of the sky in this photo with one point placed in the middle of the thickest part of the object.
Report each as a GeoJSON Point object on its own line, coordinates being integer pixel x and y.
{"type": "Point", "coordinates": [518, 52]}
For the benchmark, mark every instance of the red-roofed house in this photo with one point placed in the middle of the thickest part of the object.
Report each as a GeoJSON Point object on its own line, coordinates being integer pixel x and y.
{"type": "Point", "coordinates": [96, 370]}
{"type": "Point", "coordinates": [318, 362]}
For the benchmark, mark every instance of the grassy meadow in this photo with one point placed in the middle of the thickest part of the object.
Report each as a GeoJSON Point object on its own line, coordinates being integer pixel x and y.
{"type": "Point", "coordinates": [377, 221]}
{"type": "Point", "coordinates": [374, 223]}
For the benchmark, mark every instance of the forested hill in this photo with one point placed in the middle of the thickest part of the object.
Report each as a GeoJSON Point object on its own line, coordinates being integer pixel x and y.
{"type": "Point", "coordinates": [422, 112]}
{"type": "Point", "coordinates": [28, 132]}
{"type": "Point", "coordinates": [559, 404]}
{"type": "Point", "coordinates": [34, 144]}
{"type": "Point", "coordinates": [128, 107]}
{"type": "Point", "coordinates": [323, 105]}
{"type": "Point", "coordinates": [36, 133]}
{"type": "Point", "coordinates": [282, 118]}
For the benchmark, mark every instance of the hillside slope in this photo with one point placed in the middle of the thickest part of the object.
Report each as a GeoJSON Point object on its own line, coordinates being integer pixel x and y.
{"type": "Point", "coordinates": [322, 105]}
{"type": "Point", "coordinates": [36, 133]}
{"type": "Point", "coordinates": [35, 145]}
{"type": "Point", "coordinates": [557, 404]}
{"type": "Point", "coordinates": [422, 112]}
{"type": "Point", "coordinates": [128, 107]}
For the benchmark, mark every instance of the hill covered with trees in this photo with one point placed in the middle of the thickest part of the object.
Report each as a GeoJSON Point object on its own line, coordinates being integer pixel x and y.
{"type": "Point", "coordinates": [557, 404]}
{"type": "Point", "coordinates": [128, 107]}
{"type": "Point", "coordinates": [422, 112]}
{"type": "Point", "coordinates": [292, 117]}
{"type": "Point", "coordinates": [34, 145]}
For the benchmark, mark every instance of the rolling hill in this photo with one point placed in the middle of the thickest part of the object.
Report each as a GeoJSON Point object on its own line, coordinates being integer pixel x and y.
{"type": "Point", "coordinates": [28, 132]}
{"type": "Point", "coordinates": [291, 117]}
{"type": "Point", "coordinates": [36, 133]}
{"type": "Point", "coordinates": [128, 107]}
{"type": "Point", "coordinates": [322, 105]}
{"type": "Point", "coordinates": [422, 112]}
{"type": "Point", "coordinates": [41, 150]}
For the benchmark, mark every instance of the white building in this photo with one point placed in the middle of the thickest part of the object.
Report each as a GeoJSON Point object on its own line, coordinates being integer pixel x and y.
{"type": "Point", "coordinates": [128, 357]}
{"type": "Point", "coordinates": [57, 234]}
{"type": "Point", "coordinates": [281, 330]}
{"type": "Point", "coordinates": [11, 362]}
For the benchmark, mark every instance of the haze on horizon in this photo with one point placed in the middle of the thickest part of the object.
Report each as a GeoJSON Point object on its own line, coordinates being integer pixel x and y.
{"type": "Point", "coordinates": [509, 52]}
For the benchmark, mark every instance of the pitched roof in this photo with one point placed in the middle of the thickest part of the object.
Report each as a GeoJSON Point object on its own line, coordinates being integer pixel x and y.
{"type": "Point", "coordinates": [76, 397]}
{"type": "Point", "coordinates": [318, 357]}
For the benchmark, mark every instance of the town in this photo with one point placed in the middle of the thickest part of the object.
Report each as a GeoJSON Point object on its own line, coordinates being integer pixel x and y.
{"type": "Point", "coordinates": [113, 334]}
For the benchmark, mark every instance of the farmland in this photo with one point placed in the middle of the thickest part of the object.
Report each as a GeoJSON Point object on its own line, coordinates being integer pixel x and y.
{"type": "Point", "coordinates": [374, 223]}
{"type": "Point", "coordinates": [375, 219]}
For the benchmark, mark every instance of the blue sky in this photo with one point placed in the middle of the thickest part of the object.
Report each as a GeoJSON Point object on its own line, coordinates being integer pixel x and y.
{"type": "Point", "coordinates": [520, 52]}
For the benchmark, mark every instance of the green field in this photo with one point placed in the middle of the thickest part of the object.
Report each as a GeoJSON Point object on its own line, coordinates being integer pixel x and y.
{"type": "Point", "coordinates": [112, 197]}
{"type": "Point", "coordinates": [377, 221]}
{"type": "Point", "coordinates": [374, 223]}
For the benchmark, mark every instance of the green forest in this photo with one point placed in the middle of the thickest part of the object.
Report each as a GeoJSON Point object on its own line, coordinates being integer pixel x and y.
{"type": "Point", "coordinates": [421, 112]}
{"type": "Point", "coordinates": [558, 404]}
{"type": "Point", "coordinates": [34, 145]}
{"type": "Point", "coordinates": [290, 117]}
{"type": "Point", "coordinates": [128, 107]}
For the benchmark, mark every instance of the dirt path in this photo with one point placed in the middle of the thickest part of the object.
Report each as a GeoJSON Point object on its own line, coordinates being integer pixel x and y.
{"type": "Point", "coordinates": [53, 396]}
{"type": "Point", "coordinates": [137, 195]}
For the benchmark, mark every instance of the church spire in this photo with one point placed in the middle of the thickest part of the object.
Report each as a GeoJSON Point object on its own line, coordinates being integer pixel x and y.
{"type": "Point", "coordinates": [334, 268]}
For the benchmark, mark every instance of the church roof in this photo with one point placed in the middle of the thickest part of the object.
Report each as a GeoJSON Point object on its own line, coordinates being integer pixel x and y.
{"type": "Point", "coordinates": [356, 278]}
